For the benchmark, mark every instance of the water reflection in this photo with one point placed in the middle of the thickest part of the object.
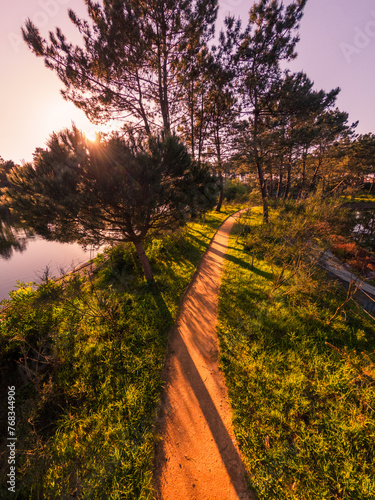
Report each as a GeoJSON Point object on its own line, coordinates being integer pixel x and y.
{"type": "Point", "coordinates": [12, 237]}
{"type": "Point", "coordinates": [26, 257]}
{"type": "Point", "coordinates": [364, 229]}
{"type": "Point", "coordinates": [11, 240]}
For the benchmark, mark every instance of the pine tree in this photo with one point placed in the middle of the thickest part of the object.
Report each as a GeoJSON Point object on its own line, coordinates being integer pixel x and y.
{"type": "Point", "coordinates": [268, 40]}
{"type": "Point", "coordinates": [296, 110]}
{"type": "Point", "coordinates": [108, 191]}
{"type": "Point", "coordinates": [209, 106]}
{"type": "Point", "coordinates": [128, 64]}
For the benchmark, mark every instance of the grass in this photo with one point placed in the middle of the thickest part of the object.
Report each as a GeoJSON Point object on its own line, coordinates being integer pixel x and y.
{"type": "Point", "coordinates": [301, 380]}
{"type": "Point", "coordinates": [362, 196]}
{"type": "Point", "coordinates": [85, 356]}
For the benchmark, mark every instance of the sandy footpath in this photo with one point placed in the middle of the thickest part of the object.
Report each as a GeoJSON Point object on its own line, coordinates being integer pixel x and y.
{"type": "Point", "coordinates": [197, 457]}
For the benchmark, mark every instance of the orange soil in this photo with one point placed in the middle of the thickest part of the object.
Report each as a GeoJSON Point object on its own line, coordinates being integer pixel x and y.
{"type": "Point", "coordinates": [197, 457]}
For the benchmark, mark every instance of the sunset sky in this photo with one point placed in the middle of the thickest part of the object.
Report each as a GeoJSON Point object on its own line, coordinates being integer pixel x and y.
{"type": "Point", "coordinates": [337, 49]}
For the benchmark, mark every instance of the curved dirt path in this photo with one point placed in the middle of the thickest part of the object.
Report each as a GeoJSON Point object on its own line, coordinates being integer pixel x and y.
{"type": "Point", "coordinates": [197, 457]}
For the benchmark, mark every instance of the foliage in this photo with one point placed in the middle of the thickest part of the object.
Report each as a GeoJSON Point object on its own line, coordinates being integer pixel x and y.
{"type": "Point", "coordinates": [5, 168]}
{"type": "Point", "coordinates": [10, 240]}
{"type": "Point", "coordinates": [294, 240]}
{"type": "Point", "coordinates": [268, 40]}
{"type": "Point", "coordinates": [128, 62]}
{"type": "Point", "coordinates": [356, 256]}
{"type": "Point", "coordinates": [235, 190]}
{"type": "Point", "coordinates": [359, 159]}
{"type": "Point", "coordinates": [301, 384]}
{"type": "Point", "coordinates": [152, 67]}
{"type": "Point", "coordinates": [304, 124]}
{"type": "Point", "coordinates": [86, 409]}
{"type": "Point", "coordinates": [109, 191]}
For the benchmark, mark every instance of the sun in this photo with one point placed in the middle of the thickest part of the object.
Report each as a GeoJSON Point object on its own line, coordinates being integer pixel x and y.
{"type": "Point", "coordinates": [91, 135]}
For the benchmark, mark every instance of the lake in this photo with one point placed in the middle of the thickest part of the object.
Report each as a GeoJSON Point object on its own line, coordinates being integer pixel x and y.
{"type": "Point", "coordinates": [30, 265]}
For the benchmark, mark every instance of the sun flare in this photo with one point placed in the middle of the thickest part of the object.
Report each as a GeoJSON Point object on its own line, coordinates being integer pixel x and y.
{"type": "Point", "coordinates": [91, 135]}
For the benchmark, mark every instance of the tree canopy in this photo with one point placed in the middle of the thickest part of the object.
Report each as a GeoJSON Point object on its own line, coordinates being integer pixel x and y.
{"type": "Point", "coordinates": [153, 67]}
{"type": "Point", "coordinates": [268, 39]}
{"type": "Point", "coordinates": [128, 65]}
{"type": "Point", "coordinates": [109, 190]}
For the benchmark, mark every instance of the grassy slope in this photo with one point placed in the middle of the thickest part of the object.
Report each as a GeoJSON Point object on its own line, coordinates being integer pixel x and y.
{"type": "Point", "coordinates": [85, 426]}
{"type": "Point", "coordinates": [303, 391]}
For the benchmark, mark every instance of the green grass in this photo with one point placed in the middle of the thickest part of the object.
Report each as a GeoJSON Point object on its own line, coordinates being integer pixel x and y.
{"type": "Point", "coordinates": [85, 423]}
{"type": "Point", "coordinates": [301, 384]}
{"type": "Point", "coordinates": [359, 197]}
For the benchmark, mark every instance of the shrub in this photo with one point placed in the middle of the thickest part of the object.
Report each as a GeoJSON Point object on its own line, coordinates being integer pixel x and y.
{"type": "Point", "coordinates": [234, 190]}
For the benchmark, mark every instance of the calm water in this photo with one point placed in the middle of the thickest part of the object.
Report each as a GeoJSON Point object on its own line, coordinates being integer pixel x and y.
{"type": "Point", "coordinates": [31, 264]}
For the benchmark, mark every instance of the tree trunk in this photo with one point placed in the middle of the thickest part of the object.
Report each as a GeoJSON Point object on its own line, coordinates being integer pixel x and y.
{"type": "Point", "coordinates": [162, 54]}
{"type": "Point", "coordinates": [263, 190]}
{"type": "Point", "coordinates": [288, 178]}
{"type": "Point", "coordinates": [144, 261]}
{"type": "Point", "coordinates": [280, 181]}
{"type": "Point", "coordinates": [303, 181]}
{"type": "Point", "coordinates": [192, 138]}
{"type": "Point", "coordinates": [270, 187]}
{"type": "Point", "coordinates": [141, 107]}
{"type": "Point", "coordinates": [200, 130]}
{"type": "Point", "coordinates": [220, 170]}
{"type": "Point", "coordinates": [314, 177]}
{"type": "Point", "coordinates": [221, 194]}
{"type": "Point", "coordinates": [318, 168]}
{"type": "Point", "coordinates": [258, 161]}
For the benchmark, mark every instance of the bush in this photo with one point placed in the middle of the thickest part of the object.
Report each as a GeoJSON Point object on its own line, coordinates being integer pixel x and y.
{"type": "Point", "coordinates": [293, 240]}
{"type": "Point", "coordinates": [234, 190]}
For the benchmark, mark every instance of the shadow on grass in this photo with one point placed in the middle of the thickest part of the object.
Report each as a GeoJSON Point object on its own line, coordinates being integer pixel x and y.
{"type": "Point", "coordinates": [160, 303]}
{"type": "Point", "coordinates": [204, 235]}
{"type": "Point", "coordinates": [203, 241]}
{"type": "Point", "coordinates": [242, 263]}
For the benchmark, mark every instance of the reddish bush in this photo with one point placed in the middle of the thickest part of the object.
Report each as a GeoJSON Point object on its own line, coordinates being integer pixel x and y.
{"type": "Point", "coordinates": [353, 255]}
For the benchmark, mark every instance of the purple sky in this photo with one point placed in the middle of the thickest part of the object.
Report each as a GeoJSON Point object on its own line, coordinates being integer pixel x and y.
{"type": "Point", "coordinates": [337, 49]}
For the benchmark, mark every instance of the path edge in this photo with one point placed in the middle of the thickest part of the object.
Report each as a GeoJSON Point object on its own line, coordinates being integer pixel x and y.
{"type": "Point", "coordinates": [158, 423]}
{"type": "Point", "coordinates": [194, 276]}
